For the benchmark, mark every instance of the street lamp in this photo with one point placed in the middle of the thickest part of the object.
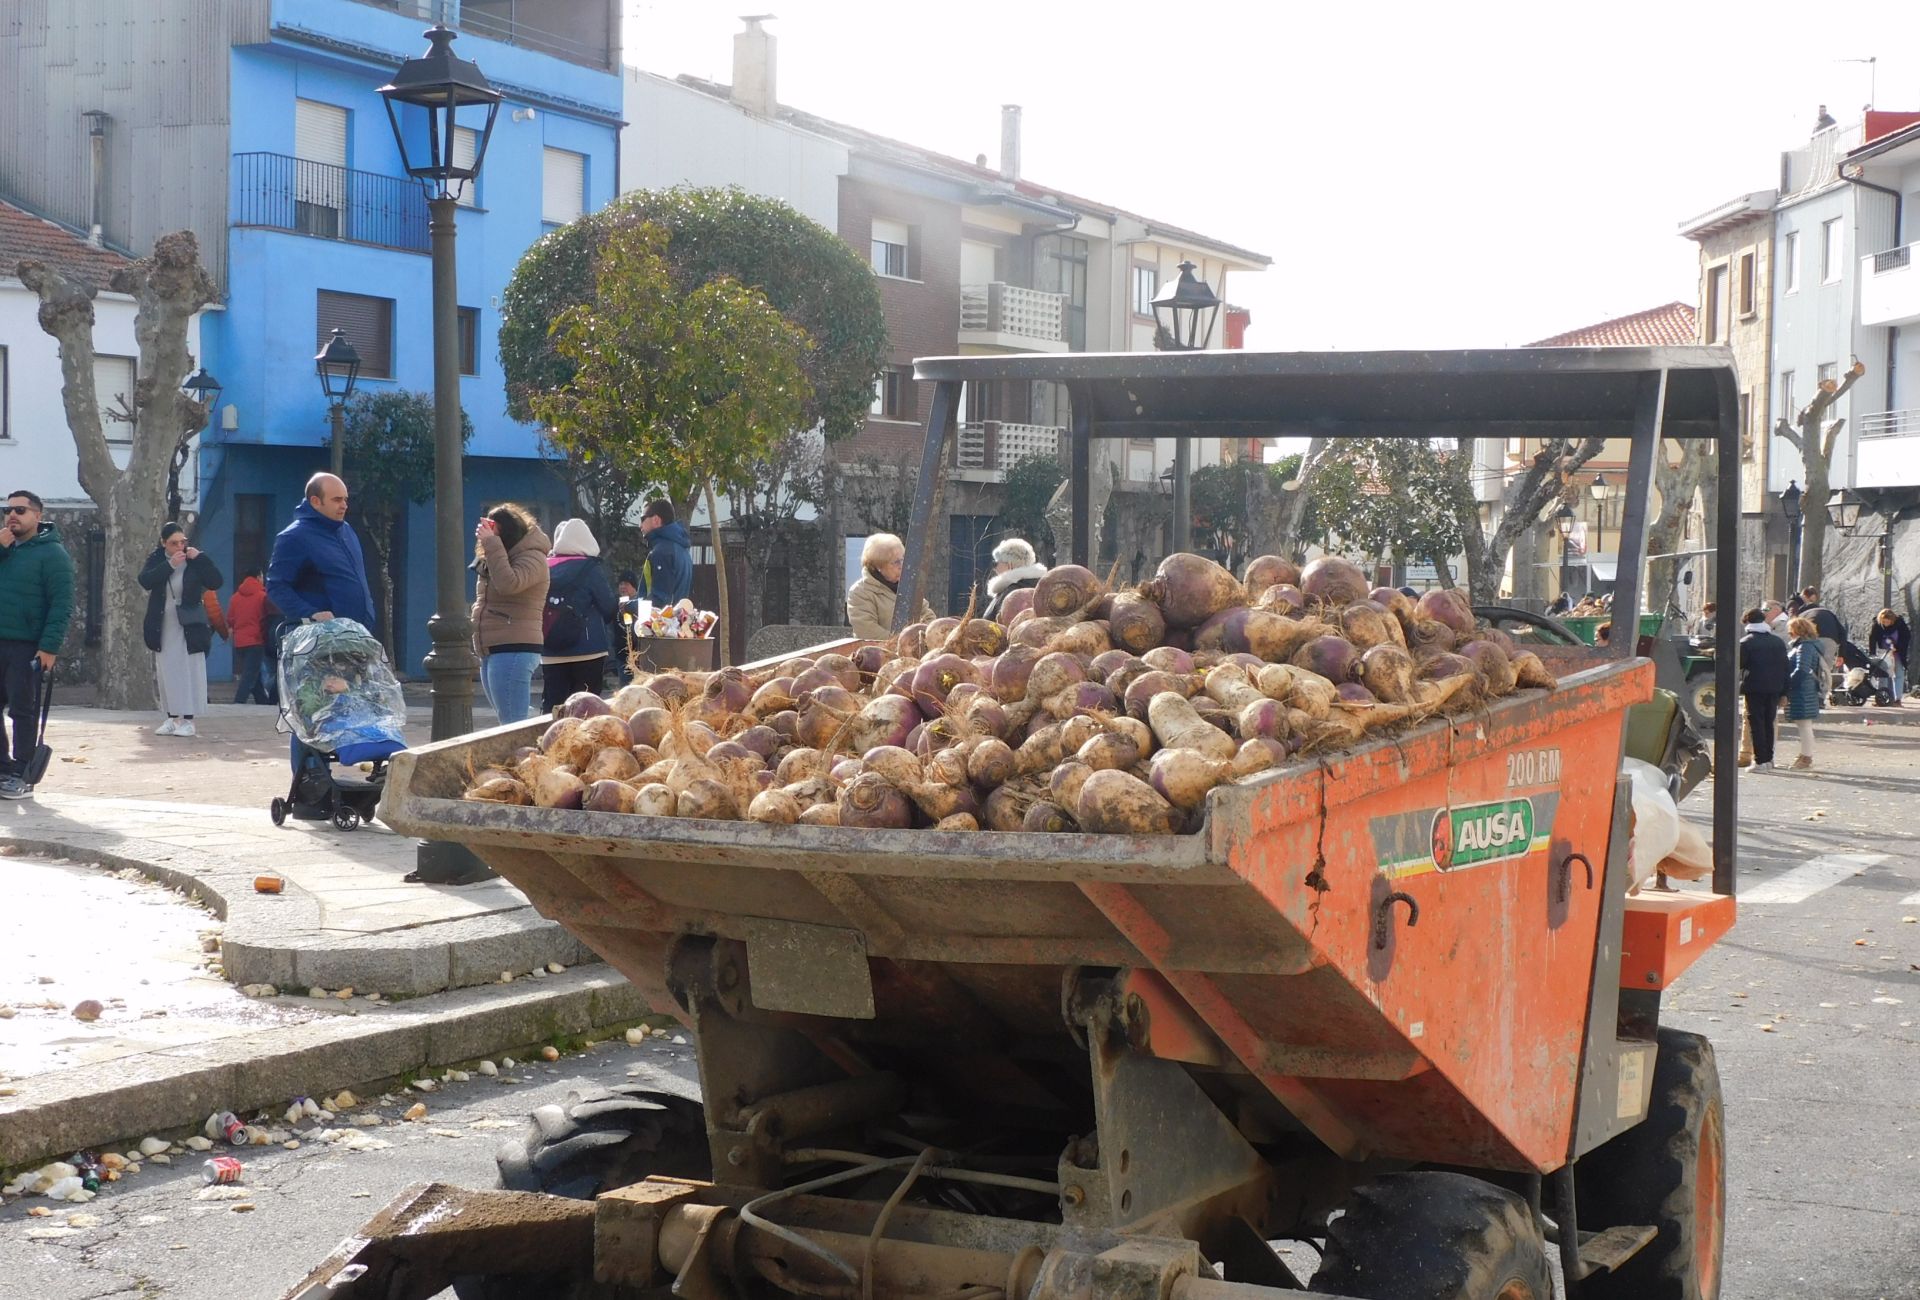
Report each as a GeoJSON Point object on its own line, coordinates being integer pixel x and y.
{"type": "Point", "coordinates": [201, 387]}
{"type": "Point", "coordinates": [338, 366]}
{"type": "Point", "coordinates": [439, 85]}
{"type": "Point", "coordinates": [1183, 314]}
{"type": "Point", "coordinates": [1790, 507]}
{"type": "Point", "coordinates": [1563, 520]}
{"type": "Point", "coordinates": [1843, 508]}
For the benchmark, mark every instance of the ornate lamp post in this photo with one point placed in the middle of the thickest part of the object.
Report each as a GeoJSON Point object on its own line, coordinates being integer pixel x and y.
{"type": "Point", "coordinates": [430, 92]}
{"type": "Point", "coordinates": [1183, 314]}
{"type": "Point", "coordinates": [204, 388]}
{"type": "Point", "coordinates": [1563, 521]}
{"type": "Point", "coordinates": [1790, 507]}
{"type": "Point", "coordinates": [338, 366]}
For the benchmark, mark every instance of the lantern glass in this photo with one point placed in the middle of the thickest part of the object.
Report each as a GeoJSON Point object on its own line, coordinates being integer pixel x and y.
{"type": "Point", "coordinates": [1598, 489]}
{"type": "Point", "coordinates": [1185, 311]}
{"type": "Point", "coordinates": [1790, 500]}
{"type": "Point", "coordinates": [1563, 519]}
{"type": "Point", "coordinates": [338, 366]}
{"type": "Point", "coordinates": [201, 386]}
{"type": "Point", "coordinates": [440, 84]}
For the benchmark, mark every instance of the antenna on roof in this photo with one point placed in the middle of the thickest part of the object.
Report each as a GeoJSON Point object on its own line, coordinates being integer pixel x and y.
{"type": "Point", "coordinates": [1873, 76]}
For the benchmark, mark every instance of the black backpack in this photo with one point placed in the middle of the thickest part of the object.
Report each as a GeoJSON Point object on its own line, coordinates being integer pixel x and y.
{"type": "Point", "coordinates": [561, 626]}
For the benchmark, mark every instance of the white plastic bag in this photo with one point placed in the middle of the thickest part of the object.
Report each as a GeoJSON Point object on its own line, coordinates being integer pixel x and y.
{"type": "Point", "coordinates": [1656, 821]}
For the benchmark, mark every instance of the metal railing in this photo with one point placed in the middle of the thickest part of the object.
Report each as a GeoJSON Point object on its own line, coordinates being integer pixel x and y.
{"type": "Point", "coordinates": [997, 445]}
{"type": "Point", "coordinates": [281, 192]}
{"type": "Point", "coordinates": [1000, 308]}
{"type": "Point", "coordinates": [1890, 424]}
{"type": "Point", "coordinates": [508, 29]}
{"type": "Point", "coordinates": [1894, 259]}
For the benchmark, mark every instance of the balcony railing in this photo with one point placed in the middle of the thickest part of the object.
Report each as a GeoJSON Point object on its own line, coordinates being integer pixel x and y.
{"type": "Point", "coordinates": [281, 192]}
{"type": "Point", "coordinates": [507, 21]}
{"type": "Point", "coordinates": [1890, 424]}
{"type": "Point", "coordinates": [1006, 315]}
{"type": "Point", "coordinates": [995, 445]}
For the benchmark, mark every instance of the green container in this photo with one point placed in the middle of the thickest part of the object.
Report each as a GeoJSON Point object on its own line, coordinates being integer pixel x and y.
{"type": "Point", "coordinates": [1588, 625]}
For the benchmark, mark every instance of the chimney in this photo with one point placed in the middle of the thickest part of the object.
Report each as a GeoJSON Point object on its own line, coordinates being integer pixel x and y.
{"type": "Point", "coordinates": [753, 67]}
{"type": "Point", "coordinates": [1009, 142]}
{"type": "Point", "coordinates": [97, 190]}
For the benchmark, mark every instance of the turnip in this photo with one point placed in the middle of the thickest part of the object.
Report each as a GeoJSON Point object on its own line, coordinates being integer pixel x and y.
{"type": "Point", "coordinates": [1495, 669]}
{"type": "Point", "coordinates": [1183, 776]}
{"type": "Point", "coordinates": [1264, 571]}
{"type": "Point", "coordinates": [942, 801]}
{"type": "Point", "coordinates": [885, 721]}
{"type": "Point", "coordinates": [1006, 807]}
{"type": "Point", "coordinates": [1168, 660]}
{"type": "Point", "coordinates": [1142, 689]}
{"type": "Point", "coordinates": [958, 822]}
{"type": "Point", "coordinates": [500, 789]}
{"type": "Point", "coordinates": [1081, 698]}
{"type": "Point", "coordinates": [946, 766]}
{"type": "Point", "coordinates": [1136, 623]}
{"type": "Point", "coordinates": [1190, 589]}
{"type": "Point", "coordinates": [1395, 601]}
{"type": "Point", "coordinates": [732, 751]}
{"type": "Point", "coordinates": [821, 814]}
{"type": "Point", "coordinates": [938, 630]}
{"type": "Point", "coordinates": [803, 764]}
{"type": "Point", "coordinates": [1065, 589]}
{"type": "Point", "coordinates": [1263, 719]}
{"type": "Point", "coordinates": [1449, 607]}
{"type": "Point", "coordinates": [1107, 664]}
{"type": "Point", "coordinates": [786, 723]}
{"type": "Point", "coordinates": [812, 680]}
{"type": "Point", "coordinates": [843, 668]}
{"type": "Point", "coordinates": [1114, 802]}
{"type": "Point", "coordinates": [1177, 725]}
{"type": "Point", "coordinates": [1039, 632]}
{"type": "Point", "coordinates": [584, 704]}
{"type": "Point", "coordinates": [1271, 637]}
{"type": "Point", "coordinates": [1083, 640]}
{"type": "Point", "coordinates": [912, 641]}
{"type": "Point", "coordinates": [871, 802]}
{"type": "Point", "coordinates": [1053, 674]}
{"type": "Point", "coordinates": [1353, 693]}
{"type": "Point", "coordinates": [631, 698]}
{"type": "Point", "coordinates": [1333, 657]}
{"type": "Point", "coordinates": [1387, 671]}
{"type": "Point", "coordinates": [1011, 671]}
{"type": "Point", "coordinates": [1528, 670]}
{"type": "Point", "coordinates": [1282, 598]}
{"type": "Point", "coordinates": [614, 763]}
{"type": "Point", "coordinates": [1257, 755]}
{"type": "Point", "coordinates": [762, 740]}
{"type": "Point", "coordinates": [990, 764]}
{"type": "Point", "coordinates": [826, 712]}
{"type": "Point", "coordinates": [655, 800]}
{"type": "Point", "coordinates": [977, 636]}
{"type": "Point", "coordinates": [610, 797]}
{"type": "Point", "coordinates": [845, 770]}
{"type": "Point", "coordinates": [708, 799]}
{"type": "Point", "coordinates": [776, 807]}
{"type": "Point", "coordinates": [1335, 581]}
{"type": "Point", "coordinates": [1109, 750]}
{"type": "Point", "coordinates": [671, 690]}
{"type": "Point", "coordinates": [1048, 746]}
{"type": "Point", "coordinates": [771, 698]}
{"type": "Point", "coordinates": [1064, 785]}
{"type": "Point", "coordinates": [728, 690]}
{"type": "Point", "coordinates": [1017, 603]}
{"type": "Point", "coordinates": [1367, 625]}
{"type": "Point", "coordinates": [896, 764]}
{"type": "Point", "coordinates": [868, 659]}
{"type": "Point", "coordinates": [557, 789]}
{"type": "Point", "coordinates": [1048, 819]}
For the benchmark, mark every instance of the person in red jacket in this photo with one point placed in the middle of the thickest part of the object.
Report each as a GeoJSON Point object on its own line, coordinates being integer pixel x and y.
{"type": "Point", "coordinates": [247, 617]}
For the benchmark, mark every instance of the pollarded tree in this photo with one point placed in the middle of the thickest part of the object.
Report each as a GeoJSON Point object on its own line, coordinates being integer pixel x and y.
{"type": "Point", "coordinates": [806, 272]}
{"type": "Point", "coordinates": [692, 388]}
{"type": "Point", "coordinates": [389, 461]}
{"type": "Point", "coordinates": [1814, 436]}
{"type": "Point", "coordinates": [168, 287]}
{"type": "Point", "coordinates": [1544, 482]}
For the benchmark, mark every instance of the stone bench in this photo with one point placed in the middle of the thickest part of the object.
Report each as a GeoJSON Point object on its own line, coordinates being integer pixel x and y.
{"type": "Point", "coordinates": [777, 639]}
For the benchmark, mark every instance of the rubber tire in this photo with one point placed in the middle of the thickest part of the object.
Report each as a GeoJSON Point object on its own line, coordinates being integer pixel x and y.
{"type": "Point", "coordinates": [1649, 1175]}
{"type": "Point", "coordinates": [1702, 697]}
{"type": "Point", "coordinates": [345, 818]}
{"type": "Point", "coordinates": [278, 811]}
{"type": "Point", "coordinates": [595, 1141]}
{"type": "Point", "coordinates": [1429, 1235]}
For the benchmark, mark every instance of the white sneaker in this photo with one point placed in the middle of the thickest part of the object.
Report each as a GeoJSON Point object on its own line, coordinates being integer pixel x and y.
{"type": "Point", "coordinates": [167, 728]}
{"type": "Point", "coordinates": [1761, 767]}
{"type": "Point", "coordinates": [185, 728]}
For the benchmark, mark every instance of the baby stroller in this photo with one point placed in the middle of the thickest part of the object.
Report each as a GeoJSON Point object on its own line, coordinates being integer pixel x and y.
{"type": "Point", "coordinates": [341, 704]}
{"type": "Point", "coordinates": [1870, 680]}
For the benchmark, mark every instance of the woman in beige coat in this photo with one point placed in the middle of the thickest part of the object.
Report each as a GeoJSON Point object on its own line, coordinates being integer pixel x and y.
{"type": "Point", "coordinates": [510, 558]}
{"type": "Point", "coordinates": [871, 600]}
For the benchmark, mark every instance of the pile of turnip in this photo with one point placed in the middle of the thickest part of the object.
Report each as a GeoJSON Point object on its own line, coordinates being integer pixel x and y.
{"type": "Point", "coordinates": [1079, 709]}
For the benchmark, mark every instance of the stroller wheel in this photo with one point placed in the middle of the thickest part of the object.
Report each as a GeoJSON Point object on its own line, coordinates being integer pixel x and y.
{"type": "Point", "coordinates": [346, 817]}
{"type": "Point", "coordinates": [278, 811]}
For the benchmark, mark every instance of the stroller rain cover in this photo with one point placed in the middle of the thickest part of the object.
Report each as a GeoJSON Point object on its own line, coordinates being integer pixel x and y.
{"type": "Point", "coordinates": [340, 696]}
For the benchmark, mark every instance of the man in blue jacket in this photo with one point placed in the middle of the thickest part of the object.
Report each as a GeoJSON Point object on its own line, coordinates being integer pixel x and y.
{"type": "Point", "coordinates": [318, 572]}
{"type": "Point", "coordinates": [669, 564]}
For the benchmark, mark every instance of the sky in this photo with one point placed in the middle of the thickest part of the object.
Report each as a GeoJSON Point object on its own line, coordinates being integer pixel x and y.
{"type": "Point", "coordinates": [1465, 175]}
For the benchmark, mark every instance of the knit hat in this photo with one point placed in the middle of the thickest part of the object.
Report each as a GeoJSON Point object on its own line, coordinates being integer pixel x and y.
{"type": "Point", "coordinates": [1013, 552]}
{"type": "Point", "coordinates": [573, 537]}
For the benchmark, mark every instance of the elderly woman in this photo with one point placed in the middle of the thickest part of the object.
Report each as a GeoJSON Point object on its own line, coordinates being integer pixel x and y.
{"type": "Point", "coordinates": [1014, 569]}
{"type": "Point", "coordinates": [1806, 684]}
{"type": "Point", "coordinates": [870, 601]}
{"type": "Point", "coordinates": [176, 578]}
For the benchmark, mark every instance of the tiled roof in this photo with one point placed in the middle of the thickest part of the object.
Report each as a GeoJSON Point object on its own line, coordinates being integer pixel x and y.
{"type": "Point", "coordinates": [1655, 327]}
{"type": "Point", "coordinates": [26, 237]}
{"type": "Point", "coordinates": [990, 177]}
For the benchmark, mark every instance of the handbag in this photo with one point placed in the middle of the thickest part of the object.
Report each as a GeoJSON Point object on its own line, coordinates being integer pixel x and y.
{"type": "Point", "coordinates": [42, 752]}
{"type": "Point", "coordinates": [194, 625]}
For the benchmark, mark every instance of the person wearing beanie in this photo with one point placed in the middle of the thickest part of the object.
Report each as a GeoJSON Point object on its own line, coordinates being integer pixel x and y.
{"type": "Point", "coordinates": [573, 652]}
{"type": "Point", "coordinates": [1014, 568]}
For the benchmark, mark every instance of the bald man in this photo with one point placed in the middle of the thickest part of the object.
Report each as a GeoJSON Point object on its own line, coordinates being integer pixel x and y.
{"type": "Point", "coordinates": [318, 571]}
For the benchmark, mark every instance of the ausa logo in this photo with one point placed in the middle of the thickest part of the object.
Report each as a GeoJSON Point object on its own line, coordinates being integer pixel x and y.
{"type": "Point", "coordinates": [1486, 832]}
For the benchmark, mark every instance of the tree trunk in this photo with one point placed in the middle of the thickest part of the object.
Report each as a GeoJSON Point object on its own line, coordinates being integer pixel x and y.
{"type": "Point", "coordinates": [1812, 435]}
{"type": "Point", "coordinates": [725, 629]}
{"type": "Point", "coordinates": [168, 287]}
{"type": "Point", "coordinates": [376, 535]}
{"type": "Point", "coordinates": [1678, 485]}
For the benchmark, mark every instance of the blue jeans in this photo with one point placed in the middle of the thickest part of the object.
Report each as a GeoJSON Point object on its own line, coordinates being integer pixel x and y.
{"type": "Point", "coordinates": [508, 682]}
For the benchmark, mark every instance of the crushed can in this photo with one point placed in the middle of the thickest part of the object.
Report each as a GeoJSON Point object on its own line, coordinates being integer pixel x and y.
{"type": "Point", "coordinates": [221, 1169]}
{"type": "Point", "coordinates": [233, 1129]}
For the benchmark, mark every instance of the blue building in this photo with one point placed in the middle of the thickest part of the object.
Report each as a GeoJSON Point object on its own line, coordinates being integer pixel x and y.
{"type": "Point", "coordinates": [258, 125]}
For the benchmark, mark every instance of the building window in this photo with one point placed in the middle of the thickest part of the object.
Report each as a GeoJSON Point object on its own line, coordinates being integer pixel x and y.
{"type": "Point", "coordinates": [466, 142]}
{"type": "Point", "coordinates": [6, 428]}
{"type": "Point", "coordinates": [891, 395]}
{"type": "Point", "coordinates": [563, 186]}
{"type": "Point", "coordinates": [368, 324]}
{"type": "Point", "coordinates": [1788, 410]}
{"type": "Point", "coordinates": [469, 340]}
{"type": "Point", "coordinates": [1790, 254]}
{"type": "Point", "coordinates": [892, 249]}
{"type": "Point", "coordinates": [1746, 425]}
{"type": "Point", "coordinates": [1146, 283]}
{"type": "Point", "coordinates": [1060, 266]}
{"type": "Point", "coordinates": [1748, 286]}
{"type": "Point", "coordinates": [1714, 327]}
{"type": "Point", "coordinates": [113, 380]}
{"type": "Point", "coordinates": [1832, 247]}
{"type": "Point", "coordinates": [320, 177]}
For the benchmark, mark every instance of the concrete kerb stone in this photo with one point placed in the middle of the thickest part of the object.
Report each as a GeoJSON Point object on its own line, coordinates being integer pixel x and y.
{"type": "Point", "coordinates": [277, 938]}
{"type": "Point", "coordinates": [177, 1088]}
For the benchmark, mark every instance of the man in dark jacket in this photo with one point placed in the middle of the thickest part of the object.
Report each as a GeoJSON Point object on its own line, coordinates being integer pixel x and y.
{"type": "Point", "coordinates": [1763, 680]}
{"type": "Point", "coordinates": [36, 602]}
{"type": "Point", "coordinates": [669, 561]}
{"type": "Point", "coordinates": [318, 570]}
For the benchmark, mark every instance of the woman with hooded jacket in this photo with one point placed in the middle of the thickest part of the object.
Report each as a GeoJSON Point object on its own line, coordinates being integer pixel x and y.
{"type": "Point", "coordinates": [510, 597]}
{"type": "Point", "coordinates": [1014, 569]}
{"type": "Point", "coordinates": [580, 601]}
{"type": "Point", "coordinates": [1806, 684]}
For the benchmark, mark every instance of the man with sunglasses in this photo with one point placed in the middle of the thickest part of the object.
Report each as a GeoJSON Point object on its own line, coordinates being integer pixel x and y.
{"type": "Point", "coordinates": [36, 601]}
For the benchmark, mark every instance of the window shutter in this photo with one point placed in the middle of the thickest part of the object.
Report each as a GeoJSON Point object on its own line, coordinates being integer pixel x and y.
{"type": "Point", "coordinates": [320, 132]}
{"type": "Point", "coordinates": [368, 324]}
{"type": "Point", "coordinates": [465, 141]}
{"type": "Point", "coordinates": [563, 186]}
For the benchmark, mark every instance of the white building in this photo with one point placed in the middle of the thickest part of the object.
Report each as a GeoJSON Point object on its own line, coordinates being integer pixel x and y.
{"type": "Point", "coordinates": [36, 449]}
{"type": "Point", "coordinates": [1886, 175]}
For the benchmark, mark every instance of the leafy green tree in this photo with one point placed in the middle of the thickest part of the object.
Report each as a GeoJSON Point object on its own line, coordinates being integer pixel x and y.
{"type": "Point", "coordinates": [692, 388]}
{"type": "Point", "coordinates": [1392, 499]}
{"type": "Point", "coordinates": [389, 462]}
{"type": "Point", "coordinates": [1029, 488]}
{"type": "Point", "coordinates": [806, 272]}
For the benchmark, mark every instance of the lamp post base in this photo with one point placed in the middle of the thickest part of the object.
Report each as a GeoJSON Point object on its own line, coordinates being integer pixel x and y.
{"type": "Point", "coordinates": [436, 862]}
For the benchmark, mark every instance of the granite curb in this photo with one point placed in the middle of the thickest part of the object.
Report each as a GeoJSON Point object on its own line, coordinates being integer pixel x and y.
{"type": "Point", "coordinates": [277, 938]}
{"type": "Point", "coordinates": [105, 1105]}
